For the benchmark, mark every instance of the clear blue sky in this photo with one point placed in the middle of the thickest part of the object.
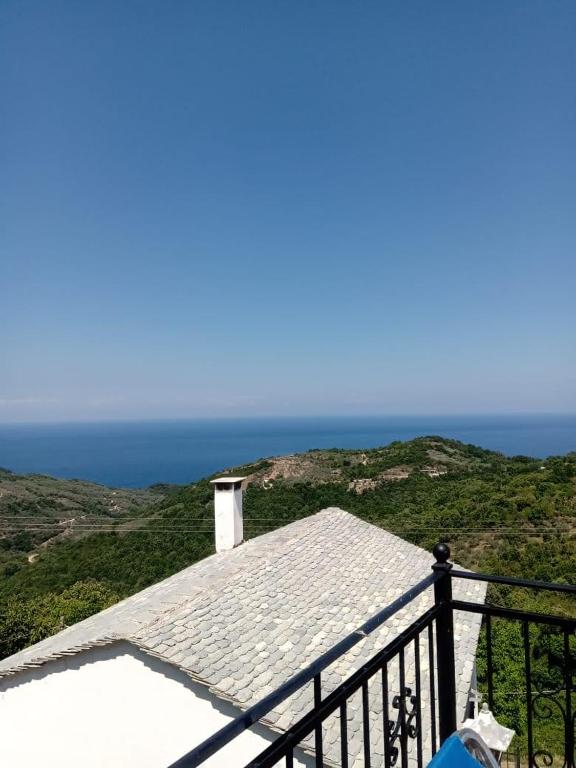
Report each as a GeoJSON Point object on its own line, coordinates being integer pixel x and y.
{"type": "Point", "coordinates": [220, 207]}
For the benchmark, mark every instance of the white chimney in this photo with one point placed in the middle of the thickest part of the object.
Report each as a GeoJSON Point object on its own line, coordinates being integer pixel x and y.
{"type": "Point", "coordinates": [228, 512]}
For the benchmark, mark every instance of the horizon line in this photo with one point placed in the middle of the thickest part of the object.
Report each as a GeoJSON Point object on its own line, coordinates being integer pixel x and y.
{"type": "Point", "coordinates": [285, 417]}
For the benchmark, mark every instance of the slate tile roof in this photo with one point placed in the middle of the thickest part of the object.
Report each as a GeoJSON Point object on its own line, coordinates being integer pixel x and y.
{"type": "Point", "coordinates": [244, 621]}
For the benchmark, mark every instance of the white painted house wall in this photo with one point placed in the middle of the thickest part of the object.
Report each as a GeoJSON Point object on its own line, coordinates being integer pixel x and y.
{"type": "Point", "coordinates": [114, 707]}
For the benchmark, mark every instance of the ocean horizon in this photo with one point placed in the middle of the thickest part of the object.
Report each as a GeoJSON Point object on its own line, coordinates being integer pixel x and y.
{"type": "Point", "coordinates": [136, 454]}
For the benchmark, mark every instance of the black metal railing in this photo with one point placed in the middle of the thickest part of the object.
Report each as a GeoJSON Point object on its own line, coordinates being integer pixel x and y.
{"type": "Point", "coordinates": [398, 707]}
{"type": "Point", "coordinates": [547, 700]}
{"type": "Point", "coordinates": [401, 712]}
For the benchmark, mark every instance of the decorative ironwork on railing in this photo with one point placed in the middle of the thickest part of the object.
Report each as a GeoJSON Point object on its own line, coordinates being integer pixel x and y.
{"type": "Point", "coordinates": [403, 721]}
{"type": "Point", "coordinates": [408, 722]}
{"type": "Point", "coordinates": [543, 706]}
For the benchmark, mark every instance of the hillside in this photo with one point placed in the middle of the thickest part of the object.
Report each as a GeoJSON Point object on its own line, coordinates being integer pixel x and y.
{"type": "Point", "coordinates": [37, 511]}
{"type": "Point", "coordinates": [495, 511]}
{"type": "Point", "coordinates": [513, 516]}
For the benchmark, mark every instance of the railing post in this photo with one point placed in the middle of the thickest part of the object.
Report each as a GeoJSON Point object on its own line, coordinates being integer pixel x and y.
{"type": "Point", "coordinates": [445, 643]}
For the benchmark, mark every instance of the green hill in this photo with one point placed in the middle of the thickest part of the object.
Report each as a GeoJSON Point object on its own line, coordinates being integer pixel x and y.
{"type": "Point", "coordinates": [496, 512]}
{"type": "Point", "coordinates": [37, 511]}
{"type": "Point", "coordinates": [513, 516]}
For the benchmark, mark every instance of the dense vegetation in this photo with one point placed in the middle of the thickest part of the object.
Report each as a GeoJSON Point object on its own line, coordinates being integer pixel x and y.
{"type": "Point", "coordinates": [36, 510]}
{"type": "Point", "coordinates": [33, 620]}
{"type": "Point", "coordinates": [514, 516]}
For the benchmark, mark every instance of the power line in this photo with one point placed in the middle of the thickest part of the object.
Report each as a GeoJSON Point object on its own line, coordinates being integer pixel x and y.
{"type": "Point", "coordinates": [267, 521]}
{"type": "Point", "coordinates": [264, 521]}
{"type": "Point", "coordinates": [149, 530]}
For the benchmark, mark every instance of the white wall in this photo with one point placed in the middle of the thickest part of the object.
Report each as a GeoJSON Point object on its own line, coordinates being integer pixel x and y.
{"type": "Point", "coordinates": [114, 707]}
{"type": "Point", "coordinates": [229, 524]}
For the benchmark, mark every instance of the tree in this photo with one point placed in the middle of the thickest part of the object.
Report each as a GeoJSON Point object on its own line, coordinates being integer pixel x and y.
{"type": "Point", "coordinates": [23, 623]}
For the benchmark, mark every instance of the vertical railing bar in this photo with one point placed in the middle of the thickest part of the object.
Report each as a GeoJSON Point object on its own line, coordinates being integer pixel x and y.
{"type": "Point", "coordinates": [489, 663]}
{"type": "Point", "coordinates": [418, 704]}
{"type": "Point", "coordinates": [366, 723]}
{"type": "Point", "coordinates": [344, 735]}
{"type": "Point", "coordinates": [290, 758]}
{"type": "Point", "coordinates": [527, 669]}
{"type": "Point", "coordinates": [402, 710]}
{"type": "Point", "coordinates": [318, 729]}
{"type": "Point", "coordinates": [445, 643]}
{"type": "Point", "coordinates": [431, 661]}
{"type": "Point", "coordinates": [385, 717]}
{"type": "Point", "coordinates": [570, 747]}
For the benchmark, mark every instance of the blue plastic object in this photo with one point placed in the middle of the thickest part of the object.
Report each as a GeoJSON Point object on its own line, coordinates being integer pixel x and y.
{"type": "Point", "coordinates": [453, 754]}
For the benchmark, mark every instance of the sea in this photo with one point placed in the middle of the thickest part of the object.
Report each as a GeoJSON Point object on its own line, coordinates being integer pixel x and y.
{"type": "Point", "coordinates": [139, 454]}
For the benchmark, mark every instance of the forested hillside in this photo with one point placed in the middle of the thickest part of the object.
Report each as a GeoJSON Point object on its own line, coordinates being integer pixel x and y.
{"type": "Point", "coordinates": [37, 511]}
{"type": "Point", "coordinates": [514, 516]}
{"type": "Point", "coordinates": [496, 512]}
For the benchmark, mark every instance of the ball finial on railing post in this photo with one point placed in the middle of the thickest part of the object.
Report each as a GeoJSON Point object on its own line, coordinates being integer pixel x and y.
{"type": "Point", "coordinates": [441, 552]}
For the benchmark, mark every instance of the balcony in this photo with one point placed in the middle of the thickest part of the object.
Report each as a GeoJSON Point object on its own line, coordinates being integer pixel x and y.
{"type": "Point", "coordinates": [406, 697]}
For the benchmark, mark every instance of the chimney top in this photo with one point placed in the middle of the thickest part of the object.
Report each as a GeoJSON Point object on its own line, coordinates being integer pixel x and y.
{"type": "Point", "coordinates": [231, 480]}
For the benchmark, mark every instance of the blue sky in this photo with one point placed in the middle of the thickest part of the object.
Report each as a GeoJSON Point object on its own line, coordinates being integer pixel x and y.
{"type": "Point", "coordinates": [240, 208]}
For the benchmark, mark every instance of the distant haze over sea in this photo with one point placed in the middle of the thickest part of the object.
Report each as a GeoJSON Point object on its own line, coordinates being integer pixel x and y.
{"type": "Point", "coordinates": [137, 454]}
